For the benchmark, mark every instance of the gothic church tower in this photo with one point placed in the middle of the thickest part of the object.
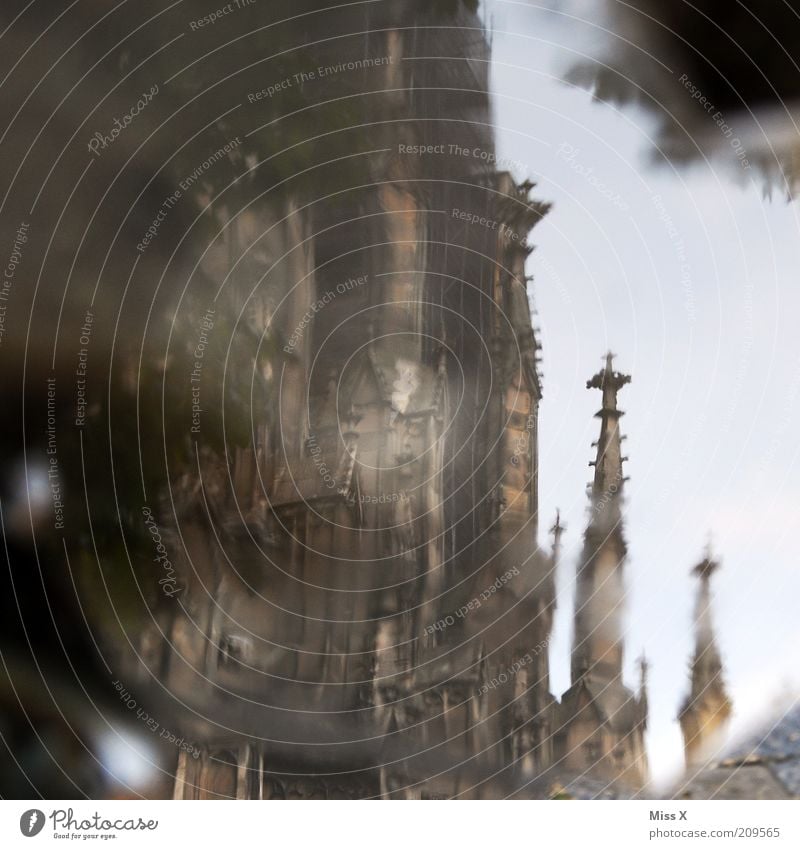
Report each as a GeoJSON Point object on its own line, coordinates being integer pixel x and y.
{"type": "Point", "coordinates": [601, 722]}
{"type": "Point", "coordinates": [706, 710]}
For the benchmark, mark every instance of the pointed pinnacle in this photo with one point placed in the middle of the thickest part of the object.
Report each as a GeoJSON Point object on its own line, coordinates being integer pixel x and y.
{"type": "Point", "coordinates": [558, 528]}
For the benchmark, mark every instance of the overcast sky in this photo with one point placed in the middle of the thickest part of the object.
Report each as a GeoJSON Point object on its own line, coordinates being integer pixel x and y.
{"type": "Point", "coordinates": [691, 277]}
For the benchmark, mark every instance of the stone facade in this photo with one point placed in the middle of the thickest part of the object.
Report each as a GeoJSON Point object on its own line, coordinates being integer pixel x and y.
{"type": "Point", "coordinates": [366, 609]}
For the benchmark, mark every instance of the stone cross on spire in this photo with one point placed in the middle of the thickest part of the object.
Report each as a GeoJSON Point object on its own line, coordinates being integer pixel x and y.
{"type": "Point", "coordinates": [557, 531]}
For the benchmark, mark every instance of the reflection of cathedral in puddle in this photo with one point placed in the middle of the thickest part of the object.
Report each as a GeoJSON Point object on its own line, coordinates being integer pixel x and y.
{"type": "Point", "coordinates": [393, 483]}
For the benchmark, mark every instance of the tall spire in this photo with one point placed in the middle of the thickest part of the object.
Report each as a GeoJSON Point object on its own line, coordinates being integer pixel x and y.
{"type": "Point", "coordinates": [602, 722]}
{"type": "Point", "coordinates": [704, 715]}
{"type": "Point", "coordinates": [557, 531]}
{"type": "Point", "coordinates": [644, 668]}
{"type": "Point", "coordinates": [608, 476]}
{"type": "Point", "coordinates": [597, 647]}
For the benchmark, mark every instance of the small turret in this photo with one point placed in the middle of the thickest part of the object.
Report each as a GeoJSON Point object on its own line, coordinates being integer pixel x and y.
{"type": "Point", "coordinates": [706, 710]}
